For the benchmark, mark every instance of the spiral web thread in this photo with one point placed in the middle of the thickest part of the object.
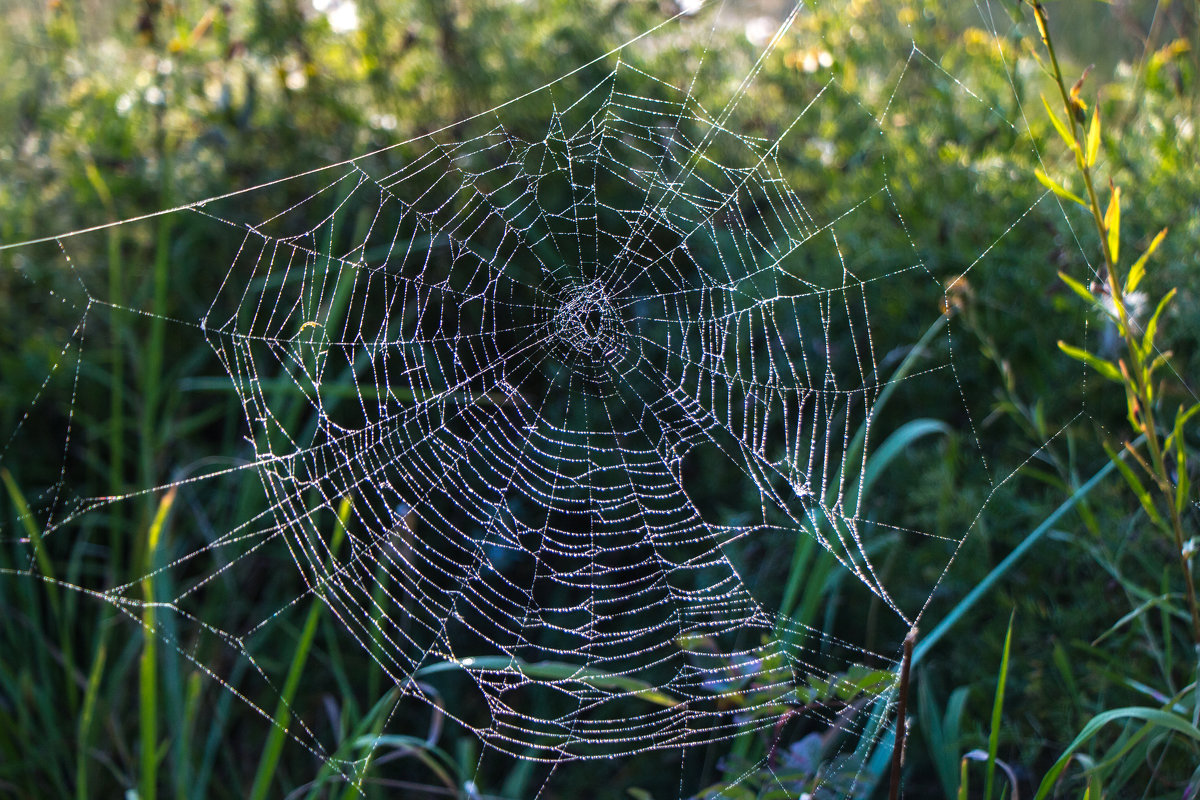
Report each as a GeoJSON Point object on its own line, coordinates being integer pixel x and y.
{"type": "Point", "coordinates": [508, 360]}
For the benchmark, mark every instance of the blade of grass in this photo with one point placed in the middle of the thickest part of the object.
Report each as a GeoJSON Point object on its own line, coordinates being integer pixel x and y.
{"type": "Point", "coordinates": [556, 671]}
{"type": "Point", "coordinates": [1151, 716]}
{"type": "Point", "coordinates": [1004, 567]}
{"type": "Point", "coordinates": [997, 709]}
{"type": "Point", "coordinates": [116, 421]}
{"type": "Point", "coordinates": [35, 537]}
{"type": "Point", "coordinates": [882, 754]}
{"type": "Point", "coordinates": [83, 742]}
{"type": "Point", "coordinates": [370, 727]}
{"type": "Point", "coordinates": [148, 666]}
{"type": "Point", "coordinates": [377, 719]}
{"type": "Point", "coordinates": [854, 451]}
{"type": "Point", "coordinates": [283, 710]}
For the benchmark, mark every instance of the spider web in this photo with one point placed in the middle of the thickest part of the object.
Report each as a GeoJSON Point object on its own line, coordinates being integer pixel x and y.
{"type": "Point", "coordinates": [481, 390]}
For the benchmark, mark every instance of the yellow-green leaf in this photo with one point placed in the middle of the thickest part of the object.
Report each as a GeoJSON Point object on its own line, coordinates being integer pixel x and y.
{"type": "Point", "coordinates": [1182, 482]}
{"type": "Point", "coordinates": [1078, 288]}
{"type": "Point", "coordinates": [1152, 325]}
{"type": "Point", "coordinates": [1157, 363]}
{"type": "Point", "coordinates": [1049, 183]}
{"type": "Point", "coordinates": [25, 516]}
{"type": "Point", "coordinates": [1112, 224]}
{"type": "Point", "coordinates": [1135, 483]}
{"type": "Point", "coordinates": [1060, 127]}
{"type": "Point", "coordinates": [1106, 368]}
{"type": "Point", "coordinates": [1093, 138]}
{"type": "Point", "coordinates": [1181, 419]}
{"type": "Point", "coordinates": [1138, 270]}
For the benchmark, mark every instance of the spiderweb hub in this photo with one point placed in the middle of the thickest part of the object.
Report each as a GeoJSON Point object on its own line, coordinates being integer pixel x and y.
{"type": "Point", "coordinates": [589, 337]}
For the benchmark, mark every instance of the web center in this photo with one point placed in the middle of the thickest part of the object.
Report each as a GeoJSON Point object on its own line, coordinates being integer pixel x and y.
{"type": "Point", "coordinates": [592, 322]}
{"type": "Point", "coordinates": [587, 332]}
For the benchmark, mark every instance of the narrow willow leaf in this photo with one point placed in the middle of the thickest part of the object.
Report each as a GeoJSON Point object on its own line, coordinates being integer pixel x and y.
{"type": "Point", "coordinates": [1138, 270]}
{"type": "Point", "coordinates": [1112, 224]}
{"type": "Point", "coordinates": [1105, 368]}
{"type": "Point", "coordinates": [1158, 362]}
{"type": "Point", "coordinates": [1181, 419]}
{"type": "Point", "coordinates": [1060, 127]}
{"type": "Point", "coordinates": [1182, 483]}
{"type": "Point", "coordinates": [1078, 288]}
{"type": "Point", "coordinates": [1152, 325]}
{"type": "Point", "coordinates": [1049, 183]}
{"type": "Point", "coordinates": [1093, 138]}
{"type": "Point", "coordinates": [1135, 483]}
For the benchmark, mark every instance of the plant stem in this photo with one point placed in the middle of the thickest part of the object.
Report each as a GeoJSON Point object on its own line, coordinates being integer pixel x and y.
{"type": "Point", "coordinates": [1138, 379]}
{"type": "Point", "coordinates": [901, 721]}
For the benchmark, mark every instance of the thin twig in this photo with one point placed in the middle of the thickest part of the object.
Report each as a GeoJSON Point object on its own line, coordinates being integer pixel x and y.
{"type": "Point", "coordinates": [901, 711]}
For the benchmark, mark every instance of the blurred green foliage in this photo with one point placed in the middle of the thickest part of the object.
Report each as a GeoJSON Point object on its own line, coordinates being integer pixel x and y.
{"type": "Point", "coordinates": [111, 111]}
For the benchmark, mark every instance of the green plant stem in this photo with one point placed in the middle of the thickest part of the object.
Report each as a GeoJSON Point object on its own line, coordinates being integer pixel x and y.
{"type": "Point", "coordinates": [1137, 382]}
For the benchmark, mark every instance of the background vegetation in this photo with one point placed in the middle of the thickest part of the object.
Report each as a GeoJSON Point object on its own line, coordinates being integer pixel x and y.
{"type": "Point", "coordinates": [109, 111]}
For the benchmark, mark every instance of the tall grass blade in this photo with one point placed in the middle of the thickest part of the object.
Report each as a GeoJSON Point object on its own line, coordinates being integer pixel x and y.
{"type": "Point", "coordinates": [1004, 567]}
{"type": "Point", "coordinates": [83, 742]}
{"type": "Point", "coordinates": [997, 710]}
{"type": "Point", "coordinates": [1152, 716]}
{"type": "Point", "coordinates": [148, 667]}
{"type": "Point", "coordinates": [25, 515]}
{"type": "Point", "coordinates": [269, 759]}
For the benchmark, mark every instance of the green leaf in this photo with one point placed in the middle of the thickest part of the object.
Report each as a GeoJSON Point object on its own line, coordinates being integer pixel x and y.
{"type": "Point", "coordinates": [1158, 361]}
{"type": "Point", "coordinates": [1105, 368]}
{"type": "Point", "coordinates": [997, 708]}
{"type": "Point", "coordinates": [1060, 127]}
{"type": "Point", "coordinates": [1182, 483]}
{"type": "Point", "coordinates": [1078, 288]}
{"type": "Point", "coordinates": [1181, 419]}
{"type": "Point", "coordinates": [1152, 325]}
{"type": "Point", "coordinates": [899, 442]}
{"type": "Point", "coordinates": [1050, 184]}
{"type": "Point", "coordinates": [1138, 270]}
{"type": "Point", "coordinates": [1093, 138]}
{"type": "Point", "coordinates": [1135, 483]}
{"type": "Point", "coordinates": [555, 671]}
{"type": "Point", "coordinates": [1151, 716]}
{"type": "Point", "coordinates": [269, 759]}
{"type": "Point", "coordinates": [1112, 224]}
{"type": "Point", "coordinates": [1147, 605]}
{"type": "Point", "coordinates": [435, 759]}
{"type": "Point", "coordinates": [25, 515]}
